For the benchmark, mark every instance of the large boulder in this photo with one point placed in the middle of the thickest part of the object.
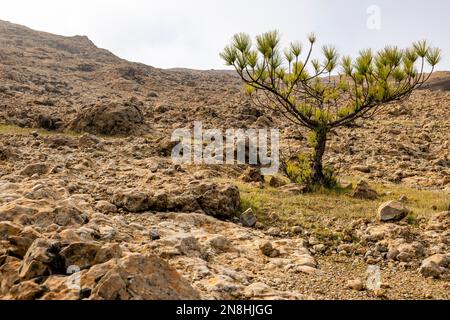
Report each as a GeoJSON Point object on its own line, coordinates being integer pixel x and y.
{"type": "Point", "coordinates": [220, 201]}
{"type": "Point", "coordinates": [114, 118]}
{"type": "Point", "coordinates": [137, 277]}
{"type": "Point", "coordinates": [392, 211]}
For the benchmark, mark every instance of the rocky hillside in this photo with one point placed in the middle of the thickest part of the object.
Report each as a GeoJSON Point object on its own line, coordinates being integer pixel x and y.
{"type": "Point", "coordinates": [92, 207]}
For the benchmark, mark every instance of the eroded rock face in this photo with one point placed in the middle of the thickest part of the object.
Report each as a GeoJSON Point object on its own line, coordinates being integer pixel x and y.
{"type": "Point", "coordinates": [137, 277]}
{"type": "Point", "coordinates": [115, 118]}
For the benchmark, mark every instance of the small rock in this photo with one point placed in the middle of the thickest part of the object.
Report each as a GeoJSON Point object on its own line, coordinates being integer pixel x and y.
{"type": "Point", "coordinates": [297, 230]}
{"type": "Point", "coordinates": [268, 250]}
{"type": "Point", "coordinates": [220, 243]}
{"type": "Point", "coordinates": [356, 285]}
{"type": "Point", "coordinates": [363, 169]}
{"type": "Point", "coordinates": [274, 232]}
{"type": "Point", "coordinates": [248, 218]}
{"type": "Point", "coordinates": [154, 235]}
{"type": "Point", "coordinates": [363, 191]}
{"type": "Point", "coordinates": [220, 201]}
{"type": "Point", "coordinates": [252, 174]}
{"type": "Point", "coordinates": [41, 259]}
{"type": "Point", "coordinates": [276, 182]}
{"type": "Point", "coordinates": [294, 189]}
{"type": "Point", "coordinates": [320, 248]}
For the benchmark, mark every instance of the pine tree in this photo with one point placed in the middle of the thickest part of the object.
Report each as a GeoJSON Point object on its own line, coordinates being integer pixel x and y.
{"type": "Point", "coordinates": [324, 95]}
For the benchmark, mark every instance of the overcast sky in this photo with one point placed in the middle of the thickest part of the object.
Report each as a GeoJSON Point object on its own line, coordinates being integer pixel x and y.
{"type": "Point", "coordinates": [191, 33]}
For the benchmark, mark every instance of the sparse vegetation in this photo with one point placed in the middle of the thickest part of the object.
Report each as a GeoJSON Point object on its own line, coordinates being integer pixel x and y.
{"type": "Point", "coordinates": [324, 210]}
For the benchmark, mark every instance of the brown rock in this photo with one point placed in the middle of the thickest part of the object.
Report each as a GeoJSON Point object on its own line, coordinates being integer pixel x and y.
{"type": "Point", "coordinates": [252, 174]}
{"type": "Point", "coordinates": [392, 211]}
{"type": "Point", "coordinates": [356, 285]}
{"type": "Point", "coordinates": [114, 118]}
{"type": "Point", "coordinates": [138, 277]}
{"type": "Point", "coordinates": [276, 182]}
{"type": "Point", "coordinates": [363, 191]}
{"type": "Point", "coordinates": [220, 201]}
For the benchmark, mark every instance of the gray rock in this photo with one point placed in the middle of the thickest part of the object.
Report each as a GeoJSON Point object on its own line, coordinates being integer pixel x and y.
{"type": "Point", "coordinates": [248, 218]}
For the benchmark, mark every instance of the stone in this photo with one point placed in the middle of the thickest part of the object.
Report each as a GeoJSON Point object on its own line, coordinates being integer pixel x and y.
{"type": "Point", "coordinates": [220, 201]}
{"type": "Point", "coordinates": [165, 146]}
{"type": "Point", "coordinates": [248, 218]}
{"type": "Point", "coordinates": [274, 231]}
{"type": "Point", "coordinates": [363, 191]}
{"type": "Point", "coordinates": [114, 118]}
{"type": "Point", "coordinates": [88, 140]}
{"type": "Point", "coordinates": [42, 259]}
{"type": "Point", "coordinates": [220, 243]}
{"type": "Point", "coordinates": [138, 277]}
{"type": "Point", "coordinates": [267, 249]}
{"type": "Point", "coordinates": [320, 248]}
{"type": "Point", "coordinates": [297, 230]}
{"type": "Point", "coordinates": [261, 291]}
{"type": "Point", "coordinates": [154, 235]}
{"type": "Point", "coordinates": [306, 260]}
{"type": "Point", "coordinates": [252, 174]}
{"type": "Point", "coordinates": [69, 215]}
{"type": "Point", "coordinates": [363, 169]}
{"type": "Point", "coordinates": [439, 221]}
{"type": "Point", "coordinates": [105, 207]}
{"type": "Point", "coordinates": [435, 266]}
{"type": "Point", "coordinates": [27, 290]}
{"type": "Point", "coordinates": [86, 254]}
{"type": "Point", "coordinates": [392, 211]}
{"type": "Point", "coordinates": [276, 182]}
{"type": "Point", "coordinates": [293, 189]}
{"type": "Point", "coordinates": [356, 285]}
{"type": "Point", "coordinates": [8, 229]}
{"type": "Point", "coordinates": [20, 244]}
{"type": "Point", "coordinates": [392, 254]}
{"type": "Point", "coordinates": [35, 168]}
{"type": "Point", "coordinates": [410, 251]}
{"type": "Point", "coordinates": [131, 200]}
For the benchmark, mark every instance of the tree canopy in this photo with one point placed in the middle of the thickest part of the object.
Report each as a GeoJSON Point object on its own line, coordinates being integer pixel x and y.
{"type": "Point", "coordinates": [334, 91]}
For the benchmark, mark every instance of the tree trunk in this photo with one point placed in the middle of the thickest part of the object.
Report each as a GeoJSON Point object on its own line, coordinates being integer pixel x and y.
{"type": "Point", "coordinates": [318, 177]}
